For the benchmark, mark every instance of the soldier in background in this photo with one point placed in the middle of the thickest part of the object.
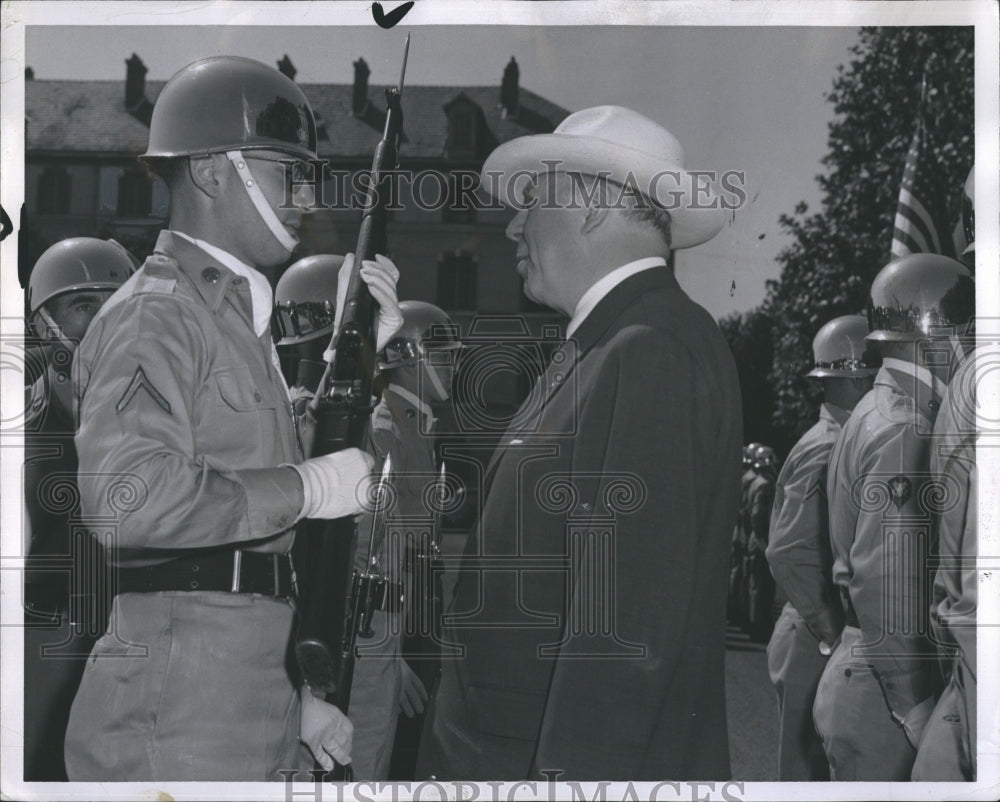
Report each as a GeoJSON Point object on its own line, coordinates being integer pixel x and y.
{"type": "Point", "coordinates": [947, 750]}
{"type": "Point", "coordinates": [878, 689]}
{"type": "Point", "coordinates": [64, 605]}
{"type": "Point", "coordinates": [757, 519]}
{"type": "Point", "coordinates": [305, 300]}
{"type": "Point", "coordinates": [736, 607]}
{"type": "Point", "coordinates": [798, 550]}
{"type": "Point", "coordinates": [416, 372]}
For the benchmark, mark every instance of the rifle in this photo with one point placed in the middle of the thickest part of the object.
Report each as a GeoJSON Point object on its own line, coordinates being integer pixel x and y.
{"type": "Point", "coordinates": [325, 643]}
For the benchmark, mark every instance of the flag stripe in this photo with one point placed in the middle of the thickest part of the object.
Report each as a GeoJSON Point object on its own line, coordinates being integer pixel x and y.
{"type": "Point", "coordinates": [907, 240]}
{"type": "Point", "coordinates": [915, 212]}
{"type": "Point", "coordinates": [920, 224]}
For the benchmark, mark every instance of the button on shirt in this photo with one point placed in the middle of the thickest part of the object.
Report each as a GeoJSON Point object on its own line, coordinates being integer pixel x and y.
{"type": "Point", "coordinates": [798, 550]}
{"type": "Point", "coordinates": [879, 530]}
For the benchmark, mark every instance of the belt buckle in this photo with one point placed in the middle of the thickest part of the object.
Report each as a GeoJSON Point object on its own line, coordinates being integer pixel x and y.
{"type": "Point", "coordinates": [237, 570]}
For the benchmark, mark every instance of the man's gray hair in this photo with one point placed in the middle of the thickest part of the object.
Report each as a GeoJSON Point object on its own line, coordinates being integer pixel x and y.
{"type": "Point", "coordinates": [635, 206]}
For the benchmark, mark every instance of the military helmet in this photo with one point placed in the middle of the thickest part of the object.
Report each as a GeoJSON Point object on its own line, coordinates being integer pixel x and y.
{"type": "Point", "coordinates": [839, 349]}
{"type": "Point", "coordinates": [305, 299]}
{"type": "Point", "coordinates": [425, 328]}
{"type": "Point", "coordinates": [764, 457]}
{"type": "Point", "coordinates": [226, 103]}
{"type": "Point", "coordinates": [79, 263]}
{"type": "Point", "coordinates": [920, 296]}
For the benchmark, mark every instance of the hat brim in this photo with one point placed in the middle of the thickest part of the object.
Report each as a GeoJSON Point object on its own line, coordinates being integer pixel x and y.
{"type": "Point", "coordinates": [831, 373]}
{"type": "Point", "coordinates": [696, 213]}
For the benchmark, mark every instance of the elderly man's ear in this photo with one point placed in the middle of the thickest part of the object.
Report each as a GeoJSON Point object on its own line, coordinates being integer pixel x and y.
{"type": "Point", "coordinates": [594, 218]}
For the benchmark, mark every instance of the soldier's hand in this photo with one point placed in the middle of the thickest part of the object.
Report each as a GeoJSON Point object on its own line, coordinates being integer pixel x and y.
{"type": "Point", "coordinates": [335, 485]}
{"type": "Point", "coordinates": [325, 730]}
{"type": "Point", "coordinates": [381, 275]}
{"type": "Point", "coordinates": [413, 696]}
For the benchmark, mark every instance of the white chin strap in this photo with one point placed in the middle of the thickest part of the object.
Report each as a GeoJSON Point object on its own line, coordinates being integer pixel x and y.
{"type": "Point", "coordinates": [435, 381]}
{"type": "Point", "coordinates": [54, 328]}
{"type": "Point", "coordinates": [288, 242]}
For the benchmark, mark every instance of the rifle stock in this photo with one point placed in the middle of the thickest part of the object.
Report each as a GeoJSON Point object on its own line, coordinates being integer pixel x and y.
{"type": "Point", "coordinates": [326, 640]}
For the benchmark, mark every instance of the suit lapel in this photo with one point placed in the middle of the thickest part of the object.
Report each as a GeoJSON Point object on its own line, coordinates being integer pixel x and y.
{"type": "Point", "coordinates": [566, 357]}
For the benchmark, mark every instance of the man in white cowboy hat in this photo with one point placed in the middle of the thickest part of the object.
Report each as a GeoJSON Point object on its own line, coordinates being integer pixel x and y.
{"type": "Point", "coordinates": [590, 606]}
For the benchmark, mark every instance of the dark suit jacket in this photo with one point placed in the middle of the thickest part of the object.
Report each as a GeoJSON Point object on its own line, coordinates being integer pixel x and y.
{"type": "Point", "coordinates": [591, 601]}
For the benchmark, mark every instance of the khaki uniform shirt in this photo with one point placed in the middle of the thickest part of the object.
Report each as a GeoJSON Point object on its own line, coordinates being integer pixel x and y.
{"type": "Point", "coordinates": [953, 464]}
{"type": "Point", "coordinates": [879, 524]}
{"type": "Point", "coordinates": [798, 549]}
{"type": "Point", "coordinates": [184, 416]}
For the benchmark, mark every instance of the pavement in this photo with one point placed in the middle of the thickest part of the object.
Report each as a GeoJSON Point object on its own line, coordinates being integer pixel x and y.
{"type": "Point", "coordinates": [751, 708]}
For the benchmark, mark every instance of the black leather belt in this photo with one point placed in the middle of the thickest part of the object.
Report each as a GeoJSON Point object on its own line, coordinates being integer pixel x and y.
{"type": "Point", "coordinates": [232, 571]}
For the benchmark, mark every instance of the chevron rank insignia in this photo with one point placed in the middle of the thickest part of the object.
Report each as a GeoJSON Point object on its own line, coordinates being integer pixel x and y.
{"type": "Point", "coordinates": [900, 490]}
{"type": "Point", "coordinates": [141, 382]}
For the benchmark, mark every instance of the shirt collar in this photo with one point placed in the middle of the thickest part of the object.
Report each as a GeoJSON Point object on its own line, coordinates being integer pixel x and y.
{"type": "Point", "coordinates": [918, 372]}
{"type": "Point", "coordinates": [602, 287]}
{"type": "Point", "coordinates": [833, 413]}
{"type": "Point", "coordinates": [261, 295]}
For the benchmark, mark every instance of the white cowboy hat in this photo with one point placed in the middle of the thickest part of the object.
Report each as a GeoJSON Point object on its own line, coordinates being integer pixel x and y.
{"type": "Point", "coordinates": [623, 146]}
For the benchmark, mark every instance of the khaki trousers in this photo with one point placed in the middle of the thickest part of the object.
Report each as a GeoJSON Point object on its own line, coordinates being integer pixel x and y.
{"type": "Point", "coordinates": [187, 686]}
{"type": "Point", "coordinates": [796, 665]}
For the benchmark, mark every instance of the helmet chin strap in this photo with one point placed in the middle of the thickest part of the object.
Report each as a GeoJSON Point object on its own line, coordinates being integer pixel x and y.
{"type": "Point", "coordinates": [54, 328]}
{"type": "Point", "coordinates": [287, 241]}
{"type": "Point", "coordinates": [435, 381]}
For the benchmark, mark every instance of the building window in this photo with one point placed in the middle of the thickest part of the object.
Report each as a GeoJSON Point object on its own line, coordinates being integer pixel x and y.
{"type": "Point", "coordinates": [135, 195]}
{"type": "Point", "coordinates": [54, 186]}
{"type": "Point", "coordinates": [460, 206]}
{"type": "Point", "coordinates": [461, 129]}
{"type": "Point", "coordinates": [456, 280]}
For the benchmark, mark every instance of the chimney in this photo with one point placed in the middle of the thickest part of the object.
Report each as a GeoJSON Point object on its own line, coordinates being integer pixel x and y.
{"type": "Point", "coordinates": [29, 74]}
{"type": "Point", "coordinates": [508, 89]}
{"type": "Point", "coordinates": [135, 82]}
{"type": "Point", "coordinates": [286, 67]}
{"type": "Point", "coordinates": [359, 102]}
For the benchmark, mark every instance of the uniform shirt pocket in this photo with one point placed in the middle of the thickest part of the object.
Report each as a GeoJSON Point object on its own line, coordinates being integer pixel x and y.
{"type": "Point", "coordinates": [244, 431]}
{"type": "Point", "coordinates": [241, 393]}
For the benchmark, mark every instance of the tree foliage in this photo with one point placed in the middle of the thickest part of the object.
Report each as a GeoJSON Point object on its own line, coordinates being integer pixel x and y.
{"type": "Point", "coordinates": [837, 251]}
{"type": "Point", "coordinates": [750, 338]}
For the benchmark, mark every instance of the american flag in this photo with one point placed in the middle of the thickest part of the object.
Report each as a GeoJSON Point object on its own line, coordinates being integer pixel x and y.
{"type": "Point", "coordinates": [921, 224]}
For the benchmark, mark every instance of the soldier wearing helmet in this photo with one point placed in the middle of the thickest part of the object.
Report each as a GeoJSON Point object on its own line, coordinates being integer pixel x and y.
{"type": "Point", "coordinates": [305, 302]}
{"type": "Point", "coordinates": [68, 284]}
{"type": "Point", "coordinates": [736, 597]}
{"type": "Point", "coordinates": [394, 672]}
{"type": "Point", "coordinates": [757, 590]}
{"type": "Point", "coordinates": [182, 401]}
{"type": "Point", "coordinates": [948, 747]}
{"type": "Point", "coordinates": [880, 683]}
{"type": "Point", "coordinates": [798, 549]}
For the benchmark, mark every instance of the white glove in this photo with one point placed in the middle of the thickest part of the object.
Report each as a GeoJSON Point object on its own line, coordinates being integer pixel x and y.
{"type": "Point", "coordinates": [327, 732]}
{"type": "Point", "coordinates": [335, 485]}
{"type": "Point", "coordinates": [381, 276]}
